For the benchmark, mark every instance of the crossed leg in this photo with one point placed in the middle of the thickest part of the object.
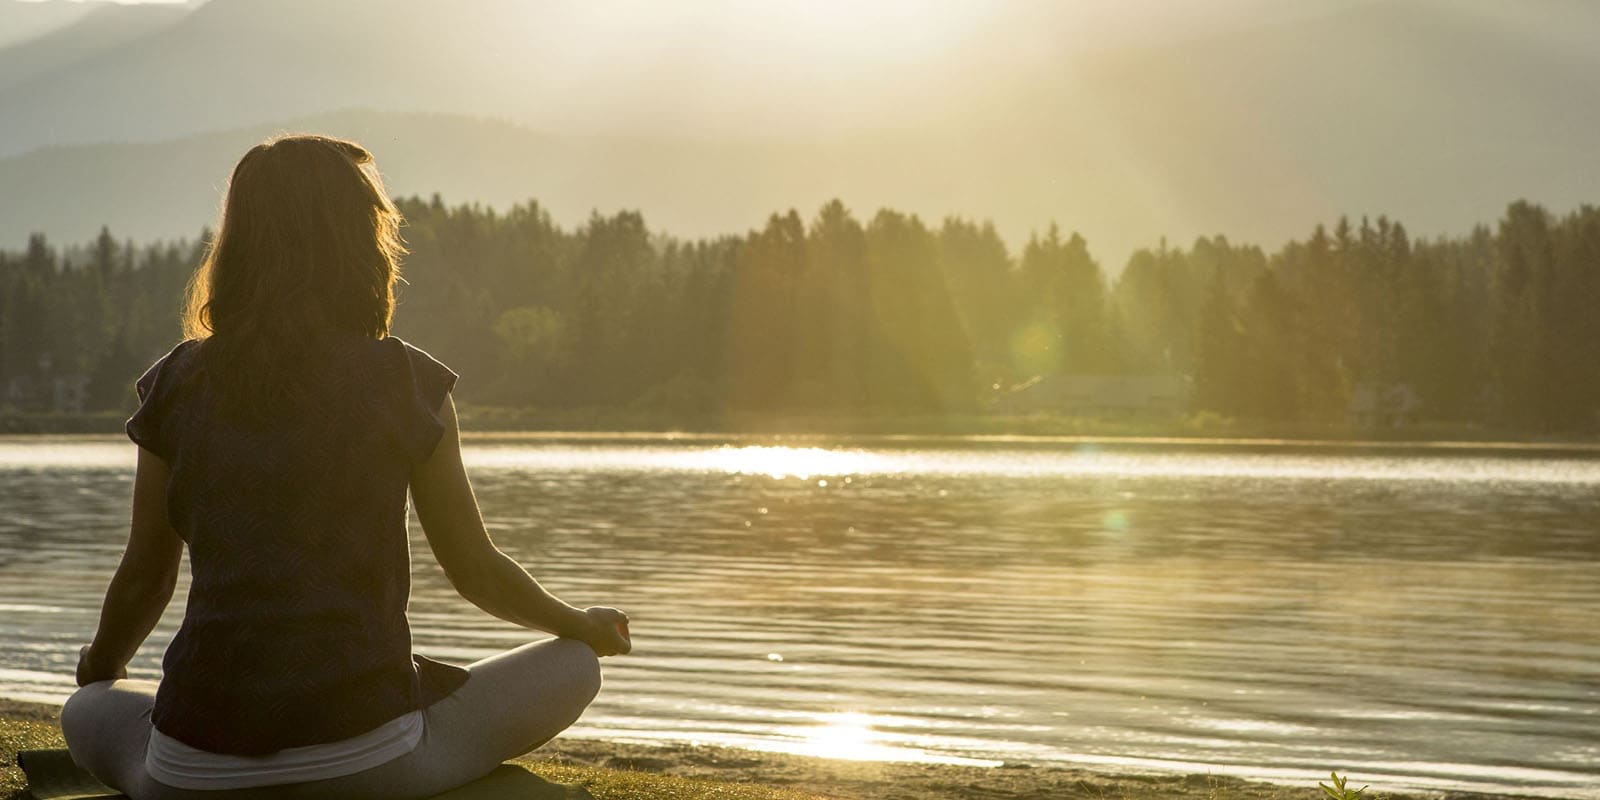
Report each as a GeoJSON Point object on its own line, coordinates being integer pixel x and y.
{"type": "Point", "coordinates": [510, 704]}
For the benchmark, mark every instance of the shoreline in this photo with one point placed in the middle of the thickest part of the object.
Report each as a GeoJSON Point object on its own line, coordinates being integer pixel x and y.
{"type": "Point", "coordinates": [477, 421]}
{"type": "Point", "coordinates": [1573, 448]}
{"type": "Point", "coordinates": [26, 724]}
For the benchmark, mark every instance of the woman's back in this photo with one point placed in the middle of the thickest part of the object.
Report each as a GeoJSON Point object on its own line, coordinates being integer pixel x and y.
{"type": "Point", "coordinates": [295, 632]}
{"type": "Point", "coordinates": [278, 444]}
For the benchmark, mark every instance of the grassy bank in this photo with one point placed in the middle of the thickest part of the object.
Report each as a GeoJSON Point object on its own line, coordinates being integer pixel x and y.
{"type": "Point", "coordinates": [612, 771]}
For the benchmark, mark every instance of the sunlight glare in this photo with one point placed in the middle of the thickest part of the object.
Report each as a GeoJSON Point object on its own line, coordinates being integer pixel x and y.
{"type": "Point", "coordinates": [783, 462]}
{"type": "Point", "coordinates": [821, 31]}
{"type": "Point", "coordinates": [847, 735]}
{"type": "Point", "coordinates": [852, 736]}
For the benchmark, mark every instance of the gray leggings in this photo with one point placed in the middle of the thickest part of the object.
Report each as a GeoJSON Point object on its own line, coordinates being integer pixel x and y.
{"type": "Point", "coordinates": [511, 703]}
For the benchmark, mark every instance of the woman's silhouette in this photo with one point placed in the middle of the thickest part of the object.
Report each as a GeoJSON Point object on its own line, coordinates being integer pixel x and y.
{"type": "Point", "coordinates": [278, 442]}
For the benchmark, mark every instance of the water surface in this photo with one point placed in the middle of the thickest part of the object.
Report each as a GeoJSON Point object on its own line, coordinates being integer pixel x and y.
{"type": "Point", "coordinates": [1418, 618]}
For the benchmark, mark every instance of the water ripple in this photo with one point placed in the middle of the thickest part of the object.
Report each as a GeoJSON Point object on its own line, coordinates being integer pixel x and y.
{"type": "Point", "coordinates": [1423, 619]}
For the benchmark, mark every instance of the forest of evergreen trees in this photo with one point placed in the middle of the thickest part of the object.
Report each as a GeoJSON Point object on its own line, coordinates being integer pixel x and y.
{"type": "Point", "coordinates": [837, 314]}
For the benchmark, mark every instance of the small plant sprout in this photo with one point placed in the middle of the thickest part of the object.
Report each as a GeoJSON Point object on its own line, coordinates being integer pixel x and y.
{"type": "Point", "coordinates": [1339, 790]}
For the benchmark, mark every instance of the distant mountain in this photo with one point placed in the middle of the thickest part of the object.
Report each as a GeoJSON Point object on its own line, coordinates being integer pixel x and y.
{"type": "Point", "coordinates": [1436, 112]}
{"type": "Point", "coordinates": [97, 28]}
{"type": "Point", "coordinates": [21, 21]}
{"type": "Point", "coordinates": [173, 188]}
{"type": "Point", "coordinates": [243, 62]}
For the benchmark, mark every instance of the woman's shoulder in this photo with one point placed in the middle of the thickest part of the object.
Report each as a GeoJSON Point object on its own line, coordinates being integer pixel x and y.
{"type": "Point", "coordinates": [418, 358]}
{"type": "Point", "coordinates": [396, 343]}
{"type": "Point", "coordinates": [182, 352]}
{"type": "Point", "coordinates": [169, 367]}
{"type": "Point", "coordinates": [428, 381]}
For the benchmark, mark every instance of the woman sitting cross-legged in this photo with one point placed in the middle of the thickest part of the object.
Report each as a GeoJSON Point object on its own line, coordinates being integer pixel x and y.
{"type": "Point", "coordinates": [278, 443]}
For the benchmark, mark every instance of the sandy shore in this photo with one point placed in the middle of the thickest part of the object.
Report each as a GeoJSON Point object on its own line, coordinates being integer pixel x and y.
{"type": "Point", "coordinates": [24, 725]}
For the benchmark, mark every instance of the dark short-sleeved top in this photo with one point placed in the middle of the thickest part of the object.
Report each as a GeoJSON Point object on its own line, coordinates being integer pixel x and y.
{"type": "Point", "coordinates": [295, 630]}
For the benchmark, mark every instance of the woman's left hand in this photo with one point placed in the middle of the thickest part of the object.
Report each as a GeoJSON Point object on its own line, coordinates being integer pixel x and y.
{"type": "Point", "coordinates": [91, 672]}
{"type": "Point", "coordinates": [608, 631]}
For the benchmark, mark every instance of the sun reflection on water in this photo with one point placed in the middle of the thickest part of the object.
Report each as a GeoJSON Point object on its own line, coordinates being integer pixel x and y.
{"type": "Point", "coordinates": [954, 457]}
{"type": "Point", "coordinates": [846, 735]}
{"type": "Point", "coordinates": [783, 462]}
{"type": "Point", "coordinates": [851, 736]}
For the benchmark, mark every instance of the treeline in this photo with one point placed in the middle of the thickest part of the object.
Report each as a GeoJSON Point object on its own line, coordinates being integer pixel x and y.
{"type": "Point", "coordinates": [100, 313]}
{"type": "Point", "coordinates": [890, 314]}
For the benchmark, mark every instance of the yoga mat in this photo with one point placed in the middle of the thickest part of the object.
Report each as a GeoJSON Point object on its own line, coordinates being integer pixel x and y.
{"type": "Point", "coordinates": [53, 776]}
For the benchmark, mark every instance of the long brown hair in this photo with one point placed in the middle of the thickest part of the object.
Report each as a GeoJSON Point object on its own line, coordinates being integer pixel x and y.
{"type": "Point", "coordinates": [308, 243]}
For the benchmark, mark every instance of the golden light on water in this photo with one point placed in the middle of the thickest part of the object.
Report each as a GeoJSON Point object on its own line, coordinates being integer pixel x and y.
{"type": "Point", "coordinates": [855, 736]}
{"type": "Point", "coordinates": [785, 462]}
{"type": "Point", "coordinates": [845, 735]}
{"type": "Point", "coordinates": [1033, 457]}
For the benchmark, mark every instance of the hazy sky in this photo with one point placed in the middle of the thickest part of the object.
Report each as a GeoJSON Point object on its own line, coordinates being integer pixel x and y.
{"type": "Point", "coordinates": [1126, 119]}
{"type": "Point", "coordinates": [1099, 19]}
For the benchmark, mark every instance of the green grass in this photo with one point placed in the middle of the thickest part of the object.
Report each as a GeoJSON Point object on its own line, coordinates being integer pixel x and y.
{"type": "Point", "coordinates": [22, 735]}
{"type": "Point", "coordinates": [613, 784]}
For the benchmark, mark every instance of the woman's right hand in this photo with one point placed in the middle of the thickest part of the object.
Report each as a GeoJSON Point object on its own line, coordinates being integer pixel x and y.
{"type": "Point", "coordinates": [608, 631]}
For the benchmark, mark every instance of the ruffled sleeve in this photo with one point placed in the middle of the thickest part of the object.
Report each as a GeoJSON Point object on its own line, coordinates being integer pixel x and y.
{"type": "Point", "coordinates": [148, 425]}
{"type": "Point", "coordinates": [428, 382]}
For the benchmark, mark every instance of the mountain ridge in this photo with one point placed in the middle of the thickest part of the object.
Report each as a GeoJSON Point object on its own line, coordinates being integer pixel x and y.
{"type": "Point", "coordinates": [100, 30]}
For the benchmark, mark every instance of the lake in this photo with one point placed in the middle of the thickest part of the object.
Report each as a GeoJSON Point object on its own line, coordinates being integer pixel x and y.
{"type": "Point", "coordinates": [1419, 618]}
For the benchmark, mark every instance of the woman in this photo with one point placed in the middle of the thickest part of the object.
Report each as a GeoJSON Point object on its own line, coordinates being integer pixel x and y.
{"type": "Point", "coordinates": [278, 442]}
